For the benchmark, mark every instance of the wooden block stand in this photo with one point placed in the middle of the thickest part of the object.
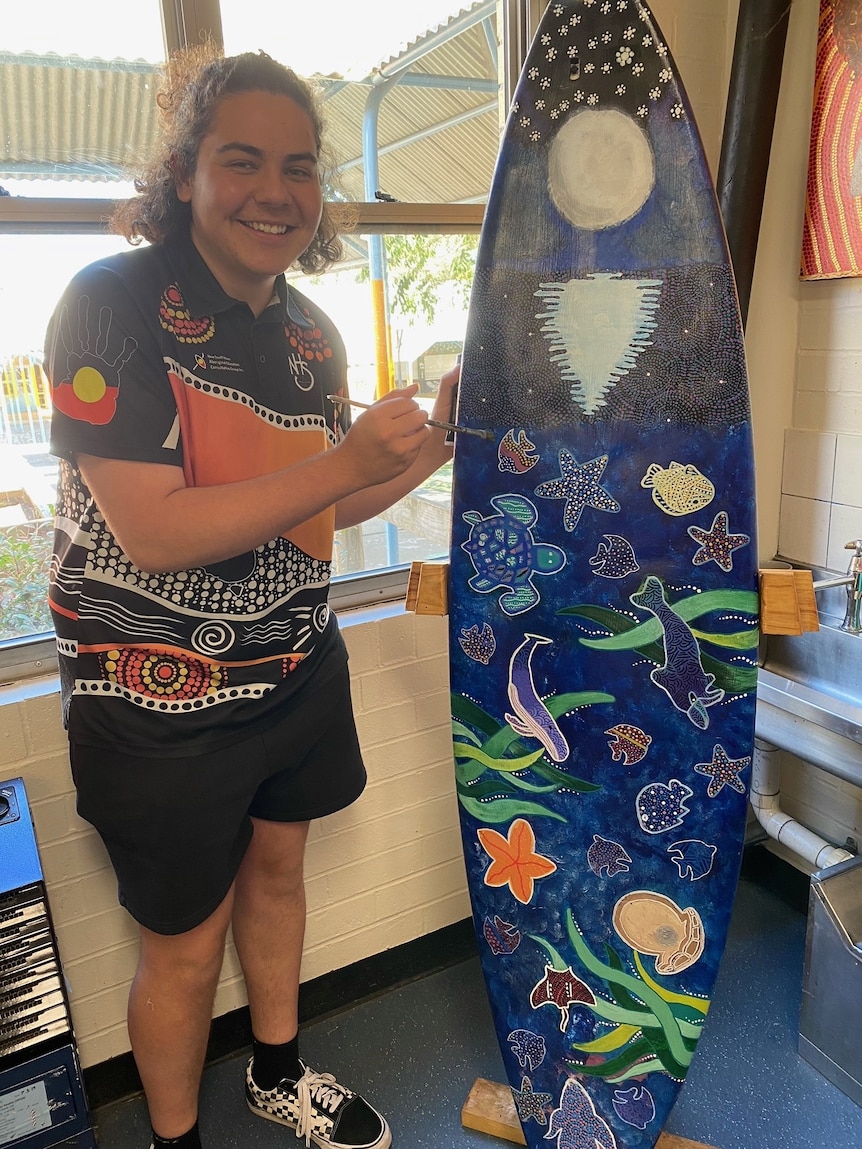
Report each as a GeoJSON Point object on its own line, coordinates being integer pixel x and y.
{"type": "Point", "coordinates": [489, 1108]}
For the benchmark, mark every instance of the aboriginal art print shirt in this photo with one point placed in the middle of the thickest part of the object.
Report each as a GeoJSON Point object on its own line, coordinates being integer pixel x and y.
{"type": "Point", "coordinates": [151, 361]}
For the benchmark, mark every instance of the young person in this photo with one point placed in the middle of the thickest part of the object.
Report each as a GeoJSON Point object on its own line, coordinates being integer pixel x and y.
{"type": "Point", "coordinates": [203, 474]}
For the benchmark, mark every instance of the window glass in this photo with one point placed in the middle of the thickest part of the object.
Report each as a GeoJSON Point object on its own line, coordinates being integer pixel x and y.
{"type": "Point", "coordinates": [36, 270]}
{"type": "Point", "coordinates": [76, 95]}
{"type": "Point", "coordinates": [429, 281]}
{"type": "Point", "coordinates": [413, 112]}
{"type": "Point", "coordinates": [418, 76]}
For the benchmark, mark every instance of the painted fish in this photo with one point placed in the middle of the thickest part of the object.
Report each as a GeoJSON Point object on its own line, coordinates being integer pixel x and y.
{"type": "Point", "coordinates": [682, 677]}
{"type": "Point", "coordinates": [693, 858]}
{"type": "Point", "coordinates": [615, 558]}
{"type": "Point", "coordinates": [606, 855]}
{"type": "Point", "coordinates": [679, 489]}
{"type": "Point", "coordinates": [514, 453]}
{"type": "Point", "coordinates": [528, 1047]}
{"type": "Point", "coordinates": [629, 743]}
{"type": "Point", "coordinates": [635, 1106]}
{"type": "Point", "coordinates": [531, 717]}
{"type": "Point", "coordinates": [478, 644]}
{"type": "Point", "coordinates": [502, 937]}
{"type": "Point", "coordinates": [562, 988]}
{"type": "Point", "coordinates": [576, 1125]}
{"type": "Point", "coordinates": [661, 807]}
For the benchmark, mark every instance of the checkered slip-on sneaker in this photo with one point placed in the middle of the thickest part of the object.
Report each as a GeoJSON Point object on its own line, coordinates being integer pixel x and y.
{"type": "Point", "coordinates": [320, 1110]}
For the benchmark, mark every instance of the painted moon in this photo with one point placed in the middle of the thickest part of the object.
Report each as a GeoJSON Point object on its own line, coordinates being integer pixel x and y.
{"type": "Point", "coordinates": [601, 169]}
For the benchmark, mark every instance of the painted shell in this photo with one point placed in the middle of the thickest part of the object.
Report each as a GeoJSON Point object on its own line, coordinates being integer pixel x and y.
{"type": "Point", "coordinates": [653, 924]}
{"type": "Point", "coordinates": [679, 489]}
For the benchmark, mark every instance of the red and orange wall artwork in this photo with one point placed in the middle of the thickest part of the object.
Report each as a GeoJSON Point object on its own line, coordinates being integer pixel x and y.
{"type": "Point", "coordinates": [832, 231]}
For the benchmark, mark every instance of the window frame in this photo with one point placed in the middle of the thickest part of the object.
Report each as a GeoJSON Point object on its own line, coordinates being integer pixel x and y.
{"type": "Point", "coordinates": [187, 22]}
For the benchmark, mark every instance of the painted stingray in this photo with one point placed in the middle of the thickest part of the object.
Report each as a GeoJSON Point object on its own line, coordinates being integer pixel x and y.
{"type": "Point", "coordinates": [562, 988]}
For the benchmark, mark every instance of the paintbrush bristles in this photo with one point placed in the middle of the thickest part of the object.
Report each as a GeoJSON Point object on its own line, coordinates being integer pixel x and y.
{"type": "Point", "coordinates": [478, 432]}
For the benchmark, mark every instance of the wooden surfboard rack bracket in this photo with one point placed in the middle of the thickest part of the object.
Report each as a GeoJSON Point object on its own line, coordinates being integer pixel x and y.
{"type": "Point", "coordinates": [428, 588]}
{"type": "Point", "coordinates": [489, 1108]}
{"type": "Point", "coordinates": [787, 602]}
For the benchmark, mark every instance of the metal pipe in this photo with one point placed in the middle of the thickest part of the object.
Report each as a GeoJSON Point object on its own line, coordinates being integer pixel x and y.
{"type": "Point", "coordinates": [780, 826]}
{"type": "Point", "coordinates": [761, 34]}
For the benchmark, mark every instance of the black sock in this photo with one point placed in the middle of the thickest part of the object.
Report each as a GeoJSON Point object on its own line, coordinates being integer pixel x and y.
{"type": "Point", "coordinates": [190, 1140]}
{"type": "Point", "coordinates": [271, 1063]}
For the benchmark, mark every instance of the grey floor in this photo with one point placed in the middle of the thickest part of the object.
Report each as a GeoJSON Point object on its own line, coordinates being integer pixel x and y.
{"type": "Point", "coordinates": [416, 1051]}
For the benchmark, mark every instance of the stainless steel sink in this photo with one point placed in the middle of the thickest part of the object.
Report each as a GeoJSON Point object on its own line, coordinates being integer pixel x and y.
{"type": "Point", "coordinates": [809, 691]}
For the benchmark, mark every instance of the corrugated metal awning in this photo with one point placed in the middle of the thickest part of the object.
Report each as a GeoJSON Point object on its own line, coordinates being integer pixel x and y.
{"type": "Point", "coordinates": [68, 118]}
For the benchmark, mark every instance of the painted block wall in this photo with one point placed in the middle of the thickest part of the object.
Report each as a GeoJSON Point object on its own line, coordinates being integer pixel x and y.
{"type": "Point", "coordinates": [385, 871]}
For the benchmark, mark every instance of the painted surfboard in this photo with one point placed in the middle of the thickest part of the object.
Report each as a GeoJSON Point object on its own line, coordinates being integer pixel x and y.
{"type": "Point", "coordinates": [603, 593]}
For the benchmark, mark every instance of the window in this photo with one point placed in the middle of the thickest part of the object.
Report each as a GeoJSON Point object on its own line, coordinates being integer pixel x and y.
{"type": "Point", "coordinates": [414, 105]}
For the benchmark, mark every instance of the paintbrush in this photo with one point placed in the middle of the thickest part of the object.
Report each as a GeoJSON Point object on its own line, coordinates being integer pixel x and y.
{"type": "Point", "coordinates": [480, 434]}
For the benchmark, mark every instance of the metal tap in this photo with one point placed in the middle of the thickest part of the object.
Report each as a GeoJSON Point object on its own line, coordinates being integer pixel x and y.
{"type": "Point", "coordinates": [852, 620]}
{"type": "Point", "coordinates": [853, 581]}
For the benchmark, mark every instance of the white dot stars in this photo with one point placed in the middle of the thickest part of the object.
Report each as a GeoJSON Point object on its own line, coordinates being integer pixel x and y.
{"type": "Point", "coordinates": [617, 58]}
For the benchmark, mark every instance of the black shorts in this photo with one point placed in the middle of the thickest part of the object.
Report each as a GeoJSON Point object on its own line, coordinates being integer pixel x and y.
{"type": "Point", "coordinates": [176, 829]}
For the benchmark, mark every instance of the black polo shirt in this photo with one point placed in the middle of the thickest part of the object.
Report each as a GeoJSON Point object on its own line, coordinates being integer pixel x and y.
{"type": "Point", "coordinates": [151, 361]}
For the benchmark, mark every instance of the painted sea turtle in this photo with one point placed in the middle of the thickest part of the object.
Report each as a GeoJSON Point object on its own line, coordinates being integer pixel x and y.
{"type": "Point", "coordinates": [505, 554]}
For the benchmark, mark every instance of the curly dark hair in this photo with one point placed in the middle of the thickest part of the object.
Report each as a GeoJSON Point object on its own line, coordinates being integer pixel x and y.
{"type": "Point", "coordinates": [193, 81]}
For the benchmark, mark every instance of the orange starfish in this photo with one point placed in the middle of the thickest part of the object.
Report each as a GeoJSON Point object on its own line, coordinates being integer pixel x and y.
{"type": "Point", "coordinates": [514, 861]}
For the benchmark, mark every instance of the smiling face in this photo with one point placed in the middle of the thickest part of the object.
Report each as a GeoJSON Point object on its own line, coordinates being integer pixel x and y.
{"type": "Point", "coordinates": [255, 193]}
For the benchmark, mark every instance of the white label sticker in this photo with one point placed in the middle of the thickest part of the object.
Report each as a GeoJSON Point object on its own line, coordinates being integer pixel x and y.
{"type": "Point", "coordinates": [23, 1112]}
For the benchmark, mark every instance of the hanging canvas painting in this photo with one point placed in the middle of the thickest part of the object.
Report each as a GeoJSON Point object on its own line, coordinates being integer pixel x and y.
{"type": "Point", "coordinates": [832, 231]}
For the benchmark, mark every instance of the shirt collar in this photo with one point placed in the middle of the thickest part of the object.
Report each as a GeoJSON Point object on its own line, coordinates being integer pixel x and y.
{"type": "Point", "coordinates": [204, 295]}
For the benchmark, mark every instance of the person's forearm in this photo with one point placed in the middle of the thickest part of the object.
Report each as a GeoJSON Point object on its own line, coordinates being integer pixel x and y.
{"type": "Point", "coordinates": [164, 525]}
{"type": "Point", "coordinates": [196, 526]}
{"type": "Point", "coordinates": [366, 504]}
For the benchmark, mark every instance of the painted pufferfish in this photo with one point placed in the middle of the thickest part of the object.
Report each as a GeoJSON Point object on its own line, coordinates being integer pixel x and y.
{"type": "Point", "coordinates": [679, 489]}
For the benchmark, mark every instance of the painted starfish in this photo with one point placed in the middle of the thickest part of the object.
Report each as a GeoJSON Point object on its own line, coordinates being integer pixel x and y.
{"type": "Point", "coordinates": [723, 771]}
{"type": "Point", "coordinates": [716, 544]}
{"type": "Point", "coordinates": [576, 1125]}
{"type": "Point", "coordinates": [578, 484]}
{"type": "Point", "coordinates": [514, 861]}
{"type": "Point", "coordinates": [530, 1104]}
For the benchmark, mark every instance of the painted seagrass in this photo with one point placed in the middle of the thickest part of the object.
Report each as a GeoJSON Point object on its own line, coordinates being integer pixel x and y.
{"type": "Point", "coordinates": [603, 602]}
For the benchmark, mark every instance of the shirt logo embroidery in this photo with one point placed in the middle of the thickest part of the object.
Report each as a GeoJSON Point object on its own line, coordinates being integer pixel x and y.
{"type": "Point", "coordinates": [310, 346]}
{"type": "Point", "coordinates": [301, 372]}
